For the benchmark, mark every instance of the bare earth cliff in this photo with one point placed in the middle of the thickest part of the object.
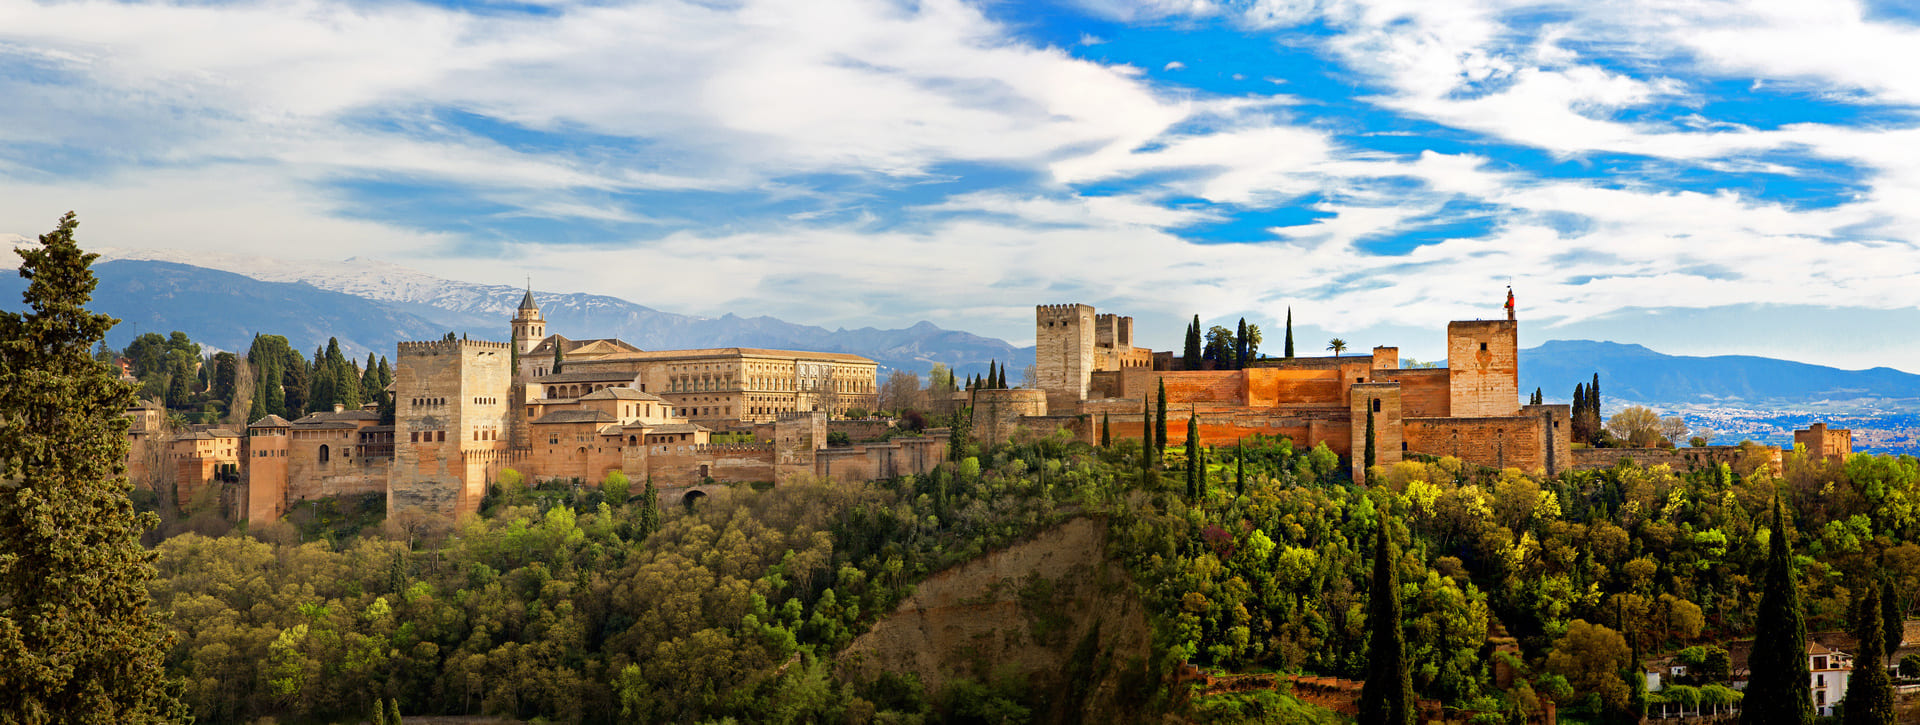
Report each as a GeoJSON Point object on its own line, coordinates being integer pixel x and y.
{"type": "Point", "coordinates": [1052, 612]}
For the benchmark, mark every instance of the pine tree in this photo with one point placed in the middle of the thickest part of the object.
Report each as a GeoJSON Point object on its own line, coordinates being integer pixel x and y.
{"type": "Point", "coordinates": [77, 640]}
{"type": "Point", "coordinates": [1366, 473]}
{"type": "Point", "coordinates": [1778, 690]}
{"type": "Point", "coordinates": [1387, 696]}
{"type": "Point", "coordinates": [1106, 429]}
{"type": "Point", "coordinates": [1191, 355]}
{"type": "Point", "coordinates": [1289, 350]}
{"type": "Point", "coordinates": [1869, 690]}
{"type": "Point", "coordinates": [1195, 464]}
{"type": "Point", "coordinates": [1160, 425]}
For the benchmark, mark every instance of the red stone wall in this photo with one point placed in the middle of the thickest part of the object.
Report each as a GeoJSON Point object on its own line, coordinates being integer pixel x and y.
{"type": "Point", "coordinates": [1424, 392]}
{"type": "Point", "coordinates": [1387, 426]}
{"type": "Point", "coordinates": [1483, 361]}
{"type": "Point", "coordinates": [1504, 442]}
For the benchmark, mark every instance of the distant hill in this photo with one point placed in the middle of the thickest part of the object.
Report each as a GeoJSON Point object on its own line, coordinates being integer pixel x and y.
{"type": "Point", "coordinates": [1637, 374]}
{"type": "Point", "coordinates": [371, 305]}
{"type": "Point", "coordinates": [224, 310]}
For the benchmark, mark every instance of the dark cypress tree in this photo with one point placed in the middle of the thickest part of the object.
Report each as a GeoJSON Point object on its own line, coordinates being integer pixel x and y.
{"type": "Point", "coordinates": [1869, 691]}
{"type": "Point", "coordinates": [370, 379]}
{"type": "Point", "coordinates": [386, 373]}
{"type": "Point", "coordinates": [179, 385]}
{"type": "Point", "coordinates": [992, 370]}
{"type": "Point", "coordinates": [1579, 421]}
{"type": "Point", "coordinates": [1239, 470]}
{"type": "Point", "coordinates": [226, 375]}
{"type": "Point", "coordinates": [1160, 425]}
{"type": "Point", "coordinates": [1003, 378]}
{"type": "Point", "coordinates": [1366, 472]}
{"type": "Point", "coordinates": [1106, 429]}
{"type": "Point", "coordinates": [559, 358]}
{"type": "Point", "coordinates": [1195, 463]}
{"type": "Point", "coordinates": [1190, 356]}
{"type": "Point", "coordinates": [78, 642]}
{"type": "Point", "coordinates": [268, 397]}
{"type": "Point", "coordinates": [1893, 618]}
{"type": "Point", "coordinates": [1778, 692]}
{"type": "Point", "coordinates": [649, 510]}
{"type": "Point", "coordinates": [1240, 346]}
{"type": "Point", "coordinates": [294, 378]}
{"type": "Point", "coordinates": [1387, 696]}
{"type": "Point", "coordinates": [1289, 350]}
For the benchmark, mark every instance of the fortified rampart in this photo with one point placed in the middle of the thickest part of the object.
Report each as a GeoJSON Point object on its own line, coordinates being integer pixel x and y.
{"type": "Point", "coordinates": [1679, 459]}
{"type": "Point", "coordinates": [997, 413]}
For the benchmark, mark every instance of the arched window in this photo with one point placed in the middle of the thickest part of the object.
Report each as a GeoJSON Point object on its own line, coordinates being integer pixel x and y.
{"type": "Point", "coordinates": [324, 455]}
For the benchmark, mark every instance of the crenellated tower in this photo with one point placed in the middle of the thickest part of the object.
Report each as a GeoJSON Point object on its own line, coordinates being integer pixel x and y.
{"type": "Point", "coordinates": [1063, 352]}
{"type": "Point", "coordinates": [452, 402]}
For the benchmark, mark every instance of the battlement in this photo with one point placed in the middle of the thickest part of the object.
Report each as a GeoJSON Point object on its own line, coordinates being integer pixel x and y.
{"type": "Point", "coordinates": [1061, 312]}
{"type": "Point", "coordinates": [442, 347]}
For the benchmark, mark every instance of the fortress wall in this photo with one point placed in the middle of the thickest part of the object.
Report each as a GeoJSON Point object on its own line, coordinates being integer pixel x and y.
{"type": "Point", "coordinates": [1495, 442]}
{"type": "Point", "coordinates": [1291, 388]}
{"type": "Point", "coordinates": [681, 466]}
{"type": "Point", "coordinates": [1227, 426]}
{"type": "Point", "coordinates": [1063, 354]}
{"type": "Point", "coordinates": [1384, 400]}
{"type": "Point", "coordinates": [997, 414]}
{"type": "Point", "coordinates": [860, 430]}
{"type": "Point", "coordinates": [1679, 459]}
{"type": "Point", "coordinates": [1424, 392]}
{"type": "Point", "coordinates": [1557, 426]}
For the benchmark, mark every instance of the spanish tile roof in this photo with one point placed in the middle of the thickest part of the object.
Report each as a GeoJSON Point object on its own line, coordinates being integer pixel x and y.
{"type": "Point", "coordinates": [271, 421]}
{"type": "Point", "coordinates": [736, 351]}
{"type": "Point", "coordinates": [672, 428]}
{"type": "Point", "coordinates": [591, 376]}
{"type": "Point", "coordinates": [621, 394]}
{"type": "Point", "coordinates": [575, 416]}
{"type": "Point", "coordinates": [328, 416]}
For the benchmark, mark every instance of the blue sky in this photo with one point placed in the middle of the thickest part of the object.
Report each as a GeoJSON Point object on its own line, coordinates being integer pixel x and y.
{"type": "Point", "coordinates": [1700, 176]}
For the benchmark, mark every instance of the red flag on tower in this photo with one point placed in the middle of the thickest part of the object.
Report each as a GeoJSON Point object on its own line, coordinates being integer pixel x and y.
{"type": "Point", "coordinates": [1509, 302]}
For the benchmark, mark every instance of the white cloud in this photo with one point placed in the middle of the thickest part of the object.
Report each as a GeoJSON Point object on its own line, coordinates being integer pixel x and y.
{"type": "Point", "coordinates": [1173, 65]}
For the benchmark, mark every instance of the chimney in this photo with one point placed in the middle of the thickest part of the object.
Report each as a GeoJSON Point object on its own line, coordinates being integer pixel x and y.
{"type": "Point", "coordinates": [339, 407]}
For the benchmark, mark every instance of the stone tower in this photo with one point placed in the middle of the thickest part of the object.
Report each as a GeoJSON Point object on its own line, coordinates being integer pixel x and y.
{"type": "Point", "coordinates": [450, 426]}
{"type": "Point", "coordinates": [1483, 368]}
{"type": "Point", "coordinates": [1063, 353]}
{"type": "Point", "coordinates": [529, 328]}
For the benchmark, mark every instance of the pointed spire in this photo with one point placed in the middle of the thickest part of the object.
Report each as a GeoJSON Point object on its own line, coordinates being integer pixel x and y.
{"type": "Point", "coordinates": [526, 303]}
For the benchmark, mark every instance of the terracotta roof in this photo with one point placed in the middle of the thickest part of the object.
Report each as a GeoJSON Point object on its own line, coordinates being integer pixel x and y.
{"type": "Point", "coordinates": [575, 416]}
{"type": "Point", "coordinates": [673, 428]}
{"type": "Point", "coordinates": [329, 416]}
{"type": "Point", "coordinates": [304, 424]}
{"type": "Point", "coordinates": [271, 421]}
{"type": "Point", "coordinates": [737, 351]}
{"type": "Point", "coordinates": [593, 376]}
{"type": "Point", "coordinates": [620, 394]}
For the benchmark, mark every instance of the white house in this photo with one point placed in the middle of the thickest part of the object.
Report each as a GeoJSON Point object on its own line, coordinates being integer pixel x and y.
{"type": "Point", "coordinates": [1829, 669]}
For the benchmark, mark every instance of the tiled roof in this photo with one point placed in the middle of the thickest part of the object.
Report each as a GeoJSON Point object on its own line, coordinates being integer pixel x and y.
{"type": "Point", "coordinates": [575, 416]}
{"type": "Point", "coordinates": [620, 394]}
{"type": "Point", "coordinates": [271, 421]}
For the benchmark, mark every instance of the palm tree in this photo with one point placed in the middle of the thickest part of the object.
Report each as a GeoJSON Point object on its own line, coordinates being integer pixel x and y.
{"type": "Point", "coordinates": [1337, 345]}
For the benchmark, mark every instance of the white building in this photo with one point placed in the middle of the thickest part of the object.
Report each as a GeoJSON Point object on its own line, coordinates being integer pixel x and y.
{"type": "Point", "coordinates": [1829, 669]}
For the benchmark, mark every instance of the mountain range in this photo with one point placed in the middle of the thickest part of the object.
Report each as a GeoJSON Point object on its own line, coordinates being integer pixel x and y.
{"type": "Point", "coordinates": [369, 305]}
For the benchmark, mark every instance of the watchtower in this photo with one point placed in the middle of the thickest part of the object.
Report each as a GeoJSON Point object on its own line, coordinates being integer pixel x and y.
{"type": "Point", "coordinates": [1063, 352]}
{"type": "Point", "coordinates": [452, 399]}
{"type": "Point", "coordinates": [1483, 368]}
{"type": "Point", "coordinates": [529, 328]}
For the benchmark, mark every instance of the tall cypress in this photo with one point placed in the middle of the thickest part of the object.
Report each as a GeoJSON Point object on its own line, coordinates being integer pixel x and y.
{"type": "Point", "coordinates": [1160, 425]}
{"type": "Point", "coordinates": [1106, 429]}
{"type": "Point", "coordinates": [1240, 346]}
{"type": "Point", "coordinates": [78, 642]}
{"type": "Point", "coordinates": [1289, 333]}
{"type": "Point", "coordinates": [1387, 696]}
{"type": "Point", "coordinates": [1003, 378]}
{"type": "Point", "coordinates": [559, 358]}
{"type": "Point", "coordinates": [1239, 469]}
{"type": "Point", "coordinates": [1869, 690]}
{"type": "Point", "coordinates": [1195, 465]}
{"type": "Point", "coordinates": [1190, 357]}
{"type": "Point", "coordinates": [1366, 472]}
{"type": "Point", "coordinates": [269, 398]}
{"type": "Point", "coordinates": [1579, 422]}
{"type": "Point", "coordinates": [1893, 620]}
{"type": "Point", "coordinates": [992, 368]}
{"type": "Point", "coordinates": [1778, 691]}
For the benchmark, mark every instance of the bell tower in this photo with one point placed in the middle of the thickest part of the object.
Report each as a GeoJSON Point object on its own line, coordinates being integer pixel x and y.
{"type": "Point", "coordinates": [529, 328]}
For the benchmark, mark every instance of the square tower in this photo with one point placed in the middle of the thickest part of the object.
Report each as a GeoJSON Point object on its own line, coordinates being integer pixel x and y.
{"type": "Point", "coordinates": [452, 399]}
{"type": "Point", "coordinates": [1483, 368]}
{"type": "Point", "coordinates": [1063, 353]}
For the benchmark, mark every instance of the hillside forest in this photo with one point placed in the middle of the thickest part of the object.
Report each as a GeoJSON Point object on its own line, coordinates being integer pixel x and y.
{"type": "Point", "coordinates": [270, 378]}
{"type": "Point", "coordinates": [595, 604]}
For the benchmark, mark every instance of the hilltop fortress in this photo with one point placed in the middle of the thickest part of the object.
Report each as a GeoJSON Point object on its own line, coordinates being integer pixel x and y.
{"type": "Point", "coordinates": [1089, 368]}
{"type": "Point", "coordinates": [579, 410]}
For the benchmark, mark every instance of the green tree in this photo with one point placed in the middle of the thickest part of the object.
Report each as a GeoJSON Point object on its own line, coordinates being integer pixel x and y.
{"type": "Point", "coordinates": [1366, 472]}
{"type": "Point", "coordinates": [559, 358]}
{"type": "Point", "coordinates": [294, 382]}
{"type": "Point", "coordinates": [1387, 696]}
{"type": "Point", "coordinates": [1289, 350]}
{"type": "Point", "coordinates": [1893, 619]}
{"type": "Point", "coordinates": [1337, 345]}
{"type": "Point", "coordinates": [226, 374]}
{"type": "Point", "coordinates": [1778, 691]}
{"type": "Point", "coordinates": [649, 511]}
{"type": "Point", "coordinates": [1219, 347]}
{"type": "Point", "coordinates": [77, 641]}
{"type": "Point", "coordinates": [393, 712]}
{"type": "Point", "coordinates": [1240, 345]}
{"type": "Point", "coordinates": [1869, 691]}
{"type": "Point", "coordinates": [993, 367]}
{"type": "Point", "coordinates": [1160, 424]}
{"type": "Point", "coordinates": [1190, 355]}
{"type": "Point", "coordinates": [1196, 465]}
{"type": "Point", "coordinates": [615, 488]}
{"type": "Point", "coordinates": [1106, 429]}
{"type": "Point", "coordinates": [370, 387]}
